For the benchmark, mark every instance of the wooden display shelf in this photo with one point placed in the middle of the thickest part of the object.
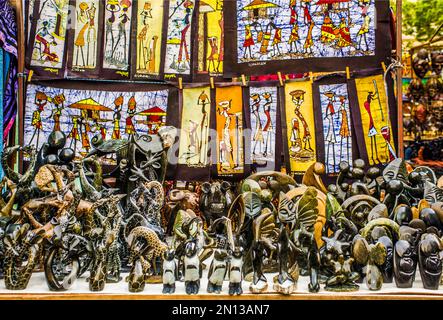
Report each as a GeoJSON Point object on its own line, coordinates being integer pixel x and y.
{"type": "Point", "coordinates": [221, 297]}
{"type": "Point", "coordinates": [38, 290]}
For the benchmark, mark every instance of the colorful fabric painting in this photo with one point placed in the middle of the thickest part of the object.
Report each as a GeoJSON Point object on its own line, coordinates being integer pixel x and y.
{"type": "Point", "coordinates": [337, 129]}
{"type": "Point", "coordinates": [48, 38]}
{"type": "Point", "coordinates": [195, 128]}
{"type": "Point", "coordinates": [263, 104]}
{"type": "Point", "coordinates": [83, 47]}
{"type": "Point", "coordinates": [178, 40]}
{"type": "Point", "coordinates": [300, 126]}
{"type": "Point", "coordinates": [10, 90]}
{"type": "Point", "coordinates": [8, 28]}
{"type": "Point", "coordinates": [149, 34]}
{"type": "Point", "coordinates": [117, 38]}
{"type": "Point", "coordinates": [8, 43]}
{"type": "Point", "coordinates": [229, 126]}
{"type": "Point", "coordinates": [3, 78]}
{"type": "Point", "coordinates": [266, 33]}
{"type": "Point", "coordinates": [210, 39]}
{"type": "Point", "coordinates": [376, 124]}
{"type": "Point", "coordinates": [82, 114]}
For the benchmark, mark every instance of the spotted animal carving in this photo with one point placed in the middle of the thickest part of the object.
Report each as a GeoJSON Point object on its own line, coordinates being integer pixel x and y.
{"type": "Point", "coordinates": [22, 252]}
{"type": "Point", "coordinates": [145, 248]}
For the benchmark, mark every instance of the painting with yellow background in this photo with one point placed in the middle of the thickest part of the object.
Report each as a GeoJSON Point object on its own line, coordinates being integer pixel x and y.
{"type": "Point", "coordinates": [210, 37]}
{"type": "Point", "coordinates": [377, 129]}
{"type": "Point", "coordinates": [300, 125]}
{"type": "Point", "coordinates": [230, 146]}
{"type": "Point", "coordinates": [149, 36]}
{"type": "Point", "coordinates": [194, 133]}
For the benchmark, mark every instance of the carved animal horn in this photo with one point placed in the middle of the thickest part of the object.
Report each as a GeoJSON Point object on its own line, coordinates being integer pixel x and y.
{"type": "Point", "coordinates": [176, 195]}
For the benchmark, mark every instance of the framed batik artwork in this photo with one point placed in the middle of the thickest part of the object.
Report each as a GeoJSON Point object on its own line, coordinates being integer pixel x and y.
{"type": "Point", "coordinates": [116, 39]}
{"type": "Point", "coordinates": [209, 44]}
{"type": "Point", "coordinates": [298, 126]}
{"type": "Point", "coordinates": [47, 45]}
{"type": "Point", "coordinates": [81, 111]}
{"type": "Point", "coordinates": [84, 42]}
{"type": "Point", "coordinates": [266, 36]}
{"type": "Point", "coordinates": [335, 132]}
{"type": "Point", "coordinates": [180, 30]}
{"type": "Point", "coordinates": [373, 117]}
{"type": "Point", "coordinates": [263, 147]}
{"type": "Point", "coordinates": [196, 137]}
{"type": "Point", "coordinates": [147, 41]}
{"type": "Point", "coordinates": [229, 127]}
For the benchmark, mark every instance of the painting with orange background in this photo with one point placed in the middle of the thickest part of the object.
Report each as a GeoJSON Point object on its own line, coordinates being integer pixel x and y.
{"type": "Point", "coordinates": [229, 119]}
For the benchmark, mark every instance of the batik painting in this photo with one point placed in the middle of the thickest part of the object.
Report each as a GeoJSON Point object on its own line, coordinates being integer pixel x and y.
{"type": "Point", "coordinates": [82, 114]}
{"type": "Point", "coordinates": [84, 46]}
{"type": "Point", "coordinates": [49, 36]}
{"type": "Point", "coordinates": [334, 100]}
{"type": "Point", "coordinates": [149, 35]}
{"type": "Point", "coordinates": [300, 126]}
{"type": "Point", "coordinates": [263, 104]}
{"type": "Point", "coordinates": [269, 31]}
{"type": "Point", "coordinates": [210, 38]}
{"type": "Point", "coordinates": [178, 39]}
{"type": "Point", "coordinates": [229, 126]}
{"type": "Point", "coordinates": [375, 119]}
{"type": "Point", "coordinates": [195, 127]}
{"type": "Point", "coordinates": [117, 37]}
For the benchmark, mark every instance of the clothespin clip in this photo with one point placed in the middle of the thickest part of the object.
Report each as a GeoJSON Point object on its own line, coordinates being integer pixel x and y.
{"type": "Point", "coordinates": [243, 79]}
{"type": "Point", "coordinates": [348, 73]}
{"type": "Point", "coordinates": [311, 77]}
{"type": "Point", "coordinates": [31, 73]}
{"type": "Point", "coordinates": [180, 83]}
{"type": "Point", "coordinates": [211, 81]}
{"type": "Point", "coordinates": [383, 65]}
{"type": "Point", "coordinates": [280, 78]}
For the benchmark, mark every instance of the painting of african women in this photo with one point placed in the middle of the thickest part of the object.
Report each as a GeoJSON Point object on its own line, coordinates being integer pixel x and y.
{"type": "Point", "coordinates": [297, 29]}
{"type": "Point", "coordinates": [50, 34]}
{"type": "Point", "coordinates": [87, 114]}
{"type": "Point", "coordinates": [336, 125]}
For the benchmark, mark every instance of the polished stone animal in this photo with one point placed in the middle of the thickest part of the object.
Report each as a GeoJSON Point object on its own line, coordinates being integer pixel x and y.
{"type": "Point", "coordinates": [23, 250]}
{"type": "Point", "coordinates": [215, 200]}
{"type": "Point", "coordinates": [192, 268]}
{"type": "Point", "coordinates": [217, 271]}
{"type": "Point", "coordinates": [236, 272]}
{"type": "Point", "coordinates": [170, 272]}
{"type": "Point", "coordinates": [145, 242]}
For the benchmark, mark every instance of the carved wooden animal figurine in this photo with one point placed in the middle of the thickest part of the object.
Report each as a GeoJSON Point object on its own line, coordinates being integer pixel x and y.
{"type": "Point", "coordinates": [145, 242]}
{"type": "Point", "coordinates": [374, 256]}
{"type": "Point", "coordinates": [235, 272]}
{"type": "Point", "coordinates": [23, 251]}
{"type": "Point", "coordinates": [192, 268]}
{"type": "Point", "coordinates": [170, 271]}
{"type": "Point", "coordinates": [137, 275]}
{"type": "Point", "coordinates": [217, 271]}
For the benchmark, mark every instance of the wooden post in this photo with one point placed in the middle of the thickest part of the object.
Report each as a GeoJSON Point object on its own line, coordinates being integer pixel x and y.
{"type": "Point", "coordinates": [401, 151]}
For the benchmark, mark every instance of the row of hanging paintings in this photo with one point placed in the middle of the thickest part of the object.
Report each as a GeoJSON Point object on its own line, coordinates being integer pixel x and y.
{"type": "Point", "coordinates": [195, 39]}
{"type": "Point", "coordinates": [229, 130]}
